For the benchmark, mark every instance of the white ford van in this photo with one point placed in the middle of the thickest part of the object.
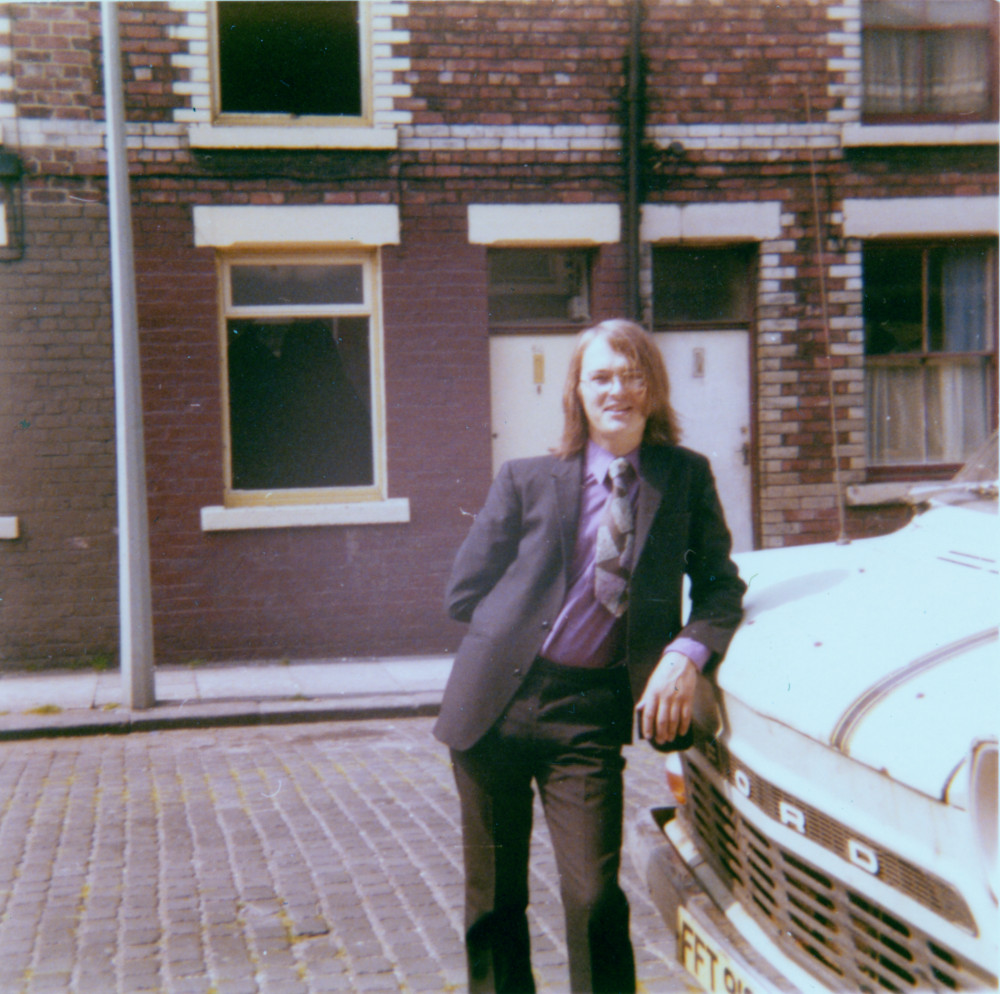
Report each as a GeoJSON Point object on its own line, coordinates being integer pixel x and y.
{"type": "Point", "coordinates": [838, 825]}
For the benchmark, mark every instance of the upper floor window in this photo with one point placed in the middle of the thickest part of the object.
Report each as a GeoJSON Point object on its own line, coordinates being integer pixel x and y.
{"type": "Point", "coordinates": [703, 285]}
{"type": "Point", "coordinates": [929, 60]}
{"type": "Point", "coordinates": [930, 315]}
{"type": "Point", "coordinates": [539, 287]}
{"type": "Point", "coordinates": [290, 59]}
{"type": "Point", "coordinates": [303, 375]}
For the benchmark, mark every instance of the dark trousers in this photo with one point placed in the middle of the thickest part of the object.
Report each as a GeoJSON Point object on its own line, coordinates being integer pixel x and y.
{"type": "Point", "coordinates": [564, 731]}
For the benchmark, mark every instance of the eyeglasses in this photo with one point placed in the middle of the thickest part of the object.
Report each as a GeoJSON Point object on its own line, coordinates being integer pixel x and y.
{"type": "Point", "coordinates": [631, 380]}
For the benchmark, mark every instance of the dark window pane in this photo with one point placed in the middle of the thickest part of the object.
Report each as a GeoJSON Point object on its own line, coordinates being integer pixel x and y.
{"type": "Point", "coordinates": [538, 286]}
{"type": "Point", "coordinates": [257, 286]}
{"type": "Point", "coordinates": [959, 299]}
{"type": "Point", "coordinates": [893, 300]}
{"type": "Point", "coordinates": [300, 404]}
{"type": "Point", "coordinates": [299, 58]}
{"type": "Point", "coordinates": [954, 316]}
{"type": "Point", "coordinates": [703, 285]}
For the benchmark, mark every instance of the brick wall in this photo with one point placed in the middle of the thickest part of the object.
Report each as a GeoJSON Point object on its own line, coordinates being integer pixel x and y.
{"type": "Point", "coordinates": [58, 581]}
{"type": "Point", "coordinates": [745, 63]}
{"type": "Point", "coordinates": [492, 102]}
{"type": "Point", "coordinates": [332, 591]}
{"type": "Point", "coordinates": [338, 591]}
{"type": "Point", "coordinates": [539, 64]}
{"type": "Point", "coordinates": [55, 55]}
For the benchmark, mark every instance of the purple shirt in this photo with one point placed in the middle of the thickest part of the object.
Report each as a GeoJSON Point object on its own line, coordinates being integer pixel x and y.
{"type": "Point", "coordinates": [586, 633]}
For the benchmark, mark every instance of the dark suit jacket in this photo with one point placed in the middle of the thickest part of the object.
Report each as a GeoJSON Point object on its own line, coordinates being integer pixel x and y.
{"type": "Point", "coordinates": [510, 577]}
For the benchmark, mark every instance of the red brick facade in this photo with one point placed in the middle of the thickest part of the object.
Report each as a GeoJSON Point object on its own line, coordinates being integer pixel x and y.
{"type": "Point", "coordinates": [472, 103]}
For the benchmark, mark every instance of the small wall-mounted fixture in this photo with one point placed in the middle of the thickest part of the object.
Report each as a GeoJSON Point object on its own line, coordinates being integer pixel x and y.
{"type": "Point", "coordinates": [663, 161]}
{"type": "Point", "coordinates": [11, 207]}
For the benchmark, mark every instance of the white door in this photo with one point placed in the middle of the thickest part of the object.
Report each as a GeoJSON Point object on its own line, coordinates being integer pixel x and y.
{"type": "Point", "coordinates": [710, 391]}
{"type": "Point", "coordinates": [527, 373]}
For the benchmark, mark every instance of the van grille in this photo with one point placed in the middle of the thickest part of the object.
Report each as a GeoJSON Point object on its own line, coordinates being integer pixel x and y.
{"type": "Point", "coordinates": [837, 933]}
{"type": "Point", "coordinates": [933, 893]}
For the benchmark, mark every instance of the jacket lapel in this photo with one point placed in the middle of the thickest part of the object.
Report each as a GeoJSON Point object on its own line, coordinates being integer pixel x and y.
{"type": "Point", "coordinates": [651, 489]}
{"type": "Point", "coordinates": [650, 498]}
{"type": "Point", "coordinates": [567, 478]}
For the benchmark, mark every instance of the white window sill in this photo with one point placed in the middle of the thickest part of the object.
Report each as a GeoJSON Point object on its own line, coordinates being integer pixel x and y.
{"type": "Point", "coordinates": [858, 135]}
{"type": "Point", "coordinates": [292, 137]}
{"type": "Point", "coordinates": [9, 528]}
{"type": "Point", "coordinates": [382, 512]}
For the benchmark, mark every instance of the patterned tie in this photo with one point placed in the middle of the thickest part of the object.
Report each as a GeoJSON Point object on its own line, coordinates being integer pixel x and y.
{"type": "Point", "coordinates": [615, 539]}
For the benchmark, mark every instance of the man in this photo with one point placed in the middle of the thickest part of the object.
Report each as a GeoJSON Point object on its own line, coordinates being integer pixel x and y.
{"type": "Point", "coordinates": [572, 584]}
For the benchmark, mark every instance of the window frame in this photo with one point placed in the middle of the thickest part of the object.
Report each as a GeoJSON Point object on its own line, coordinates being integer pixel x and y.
{"type": "Point", "coordinates": [923, 29]}
{"type": "Point", "coordinates": [370, 308]}
{"type": "Point", "coordinates": [928, 357]}
{"type": "Point", "coordinates": [287, 120]}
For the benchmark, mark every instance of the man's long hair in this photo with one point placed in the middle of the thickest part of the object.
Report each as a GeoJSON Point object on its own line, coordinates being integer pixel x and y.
{"type": "Point", "coordinates": [630, 340]}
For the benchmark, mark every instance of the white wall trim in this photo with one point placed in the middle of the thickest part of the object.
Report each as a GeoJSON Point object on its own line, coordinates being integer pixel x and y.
{"type": "Point", "coordinates": [773, 139]}
{"type": "Point", "coordinates": [522, 138]}
{"type": "Point", "coordinates": [263, 136]}
{"type": "Point", "coordinates": [920, 216]}
{"type": "Point", "coordinates": [383, 512]}
{"type": "Point", "coordinates": [322, 224]}
{"type": "Point", "coordinates": [9, 527]}
{"type": "Point", "coordinates": [548, 224]}
{"type": "Point", "coordinates": [860, 135]}
{"type": "Point", "coordinates": [757, 222]}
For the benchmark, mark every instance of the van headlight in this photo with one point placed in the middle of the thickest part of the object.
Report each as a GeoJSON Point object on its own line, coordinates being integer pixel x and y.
{"type": "Point", "coordinates": [983, 807]}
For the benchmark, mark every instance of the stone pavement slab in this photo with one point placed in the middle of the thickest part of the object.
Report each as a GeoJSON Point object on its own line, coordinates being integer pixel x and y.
{"type": "Point", "coordinates": [64, 703]}
{"type": "Point", "coordinates": [284, 858]}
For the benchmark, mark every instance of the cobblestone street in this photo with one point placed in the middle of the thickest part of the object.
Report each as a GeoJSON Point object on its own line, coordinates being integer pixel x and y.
{"type": "Point", "coordinates": [284, 859]}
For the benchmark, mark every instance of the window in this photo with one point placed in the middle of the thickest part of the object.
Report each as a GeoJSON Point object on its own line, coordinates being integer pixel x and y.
{"type": "Point", "coordinates": [289, 59]}
{"type": "Point", "coordinates": [929, 60]}
{"type": "Point", "coordinates": [703, 286]}
{"type": "Point", "coordinates": [539, 287]}
{"type": "Point", "coordinates": [929, 315]}
{"type": "Point", "coordinates": [303, 379]}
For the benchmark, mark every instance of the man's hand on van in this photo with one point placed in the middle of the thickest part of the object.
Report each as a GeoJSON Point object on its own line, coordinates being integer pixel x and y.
{"type": "Point", "coordinates": [665, 708]}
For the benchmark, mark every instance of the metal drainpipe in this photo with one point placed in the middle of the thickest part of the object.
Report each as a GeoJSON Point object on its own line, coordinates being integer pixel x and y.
{"type": "Point", "coordinates": [632, 145]}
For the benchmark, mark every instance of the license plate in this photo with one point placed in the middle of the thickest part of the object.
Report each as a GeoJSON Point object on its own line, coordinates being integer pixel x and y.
{"type": "Point", "coordinates": [703, 958]}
